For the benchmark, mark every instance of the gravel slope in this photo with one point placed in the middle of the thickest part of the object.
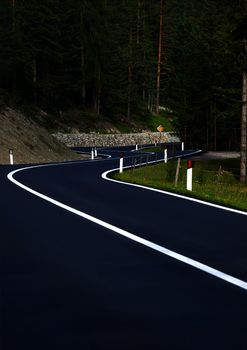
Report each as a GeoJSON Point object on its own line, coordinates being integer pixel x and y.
{"type": "Point", "coordinates": [30, 142]}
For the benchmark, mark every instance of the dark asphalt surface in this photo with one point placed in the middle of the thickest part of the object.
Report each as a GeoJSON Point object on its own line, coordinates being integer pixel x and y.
{"type": "Point", "coordinates": [67, 283]}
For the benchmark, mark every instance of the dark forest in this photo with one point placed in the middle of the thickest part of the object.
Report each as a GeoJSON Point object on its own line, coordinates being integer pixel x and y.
{"type": "Point", "coordinates": [130, 57]}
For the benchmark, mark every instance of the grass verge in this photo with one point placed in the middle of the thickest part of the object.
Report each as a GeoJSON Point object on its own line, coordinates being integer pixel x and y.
{"type": "Point", "coordinates": [213, 181]}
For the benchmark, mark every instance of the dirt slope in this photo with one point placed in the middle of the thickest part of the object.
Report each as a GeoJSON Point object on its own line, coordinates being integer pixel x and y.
{"type": "Point", "coordinates": [30, 142]}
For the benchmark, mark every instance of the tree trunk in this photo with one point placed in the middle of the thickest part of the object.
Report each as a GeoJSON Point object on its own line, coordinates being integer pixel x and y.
{"type": "Point", "coordinates": [130, 73]}
{"type": "Point", "coordinates": [149, 103]}
{"type": "Point", "coordinates": [159, 59]}
{"type": "Point", "coordinates": [14, 73]}
{"type": "Point", "coordinates": [138, 23]}
{"type": "Point", "coordinates": [13, 15]}
{"type": "Point", "coordinates": [83, 87]}
{"type": "Point", "coordinates": [215, 132]}
{"type": "Point", "coordinates": [99, 92]}
{"type": "Point", "coordinates": [144, 83]}
{"type": "Point", "coordinates": [243, 129]}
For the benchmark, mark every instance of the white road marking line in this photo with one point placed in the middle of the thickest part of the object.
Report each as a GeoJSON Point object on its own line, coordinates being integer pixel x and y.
{"type": "Point", "coordinates": [106, 173]}
{"type": "Point", "coordinates": [196, 264]}
{"type": "Point", "coordinates": [98, 155]}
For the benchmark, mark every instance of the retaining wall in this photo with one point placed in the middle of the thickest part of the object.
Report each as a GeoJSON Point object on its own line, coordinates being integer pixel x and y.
{"type": "Point", "coordinates": [112, 140]}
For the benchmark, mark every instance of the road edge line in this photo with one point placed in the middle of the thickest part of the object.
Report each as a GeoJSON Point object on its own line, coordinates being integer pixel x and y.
{"type": "Point", "coordinates": [179, 257]}
{"type": "Point", "coordinates": [172, 194]}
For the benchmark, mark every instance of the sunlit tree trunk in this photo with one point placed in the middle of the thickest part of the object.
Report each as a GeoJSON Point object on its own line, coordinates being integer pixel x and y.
{"type": "Point", "coordinates": [243, 128]}
{"type": "Point", "coordinates": [243, 145]}
{"type": "Point", "coordinates": [159, 57]}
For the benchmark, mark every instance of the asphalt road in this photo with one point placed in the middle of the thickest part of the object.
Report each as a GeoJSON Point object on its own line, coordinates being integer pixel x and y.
{"type": "Point", "coordinates": [70, 283]}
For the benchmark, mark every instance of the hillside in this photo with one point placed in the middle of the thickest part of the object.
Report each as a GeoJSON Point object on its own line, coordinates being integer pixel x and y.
{"type": "Point", "coordinates": [28, 131]}
{"type": "Point", "coordinates": [30, 142]}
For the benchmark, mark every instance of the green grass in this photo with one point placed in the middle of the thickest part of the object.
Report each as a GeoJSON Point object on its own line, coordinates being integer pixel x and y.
{"type": "Point", "coordinates": [213, 181]}
{"type": "Point", "coordinates": [154, 149]}
{"type": "Point", "coordinates": [145, 121]}
{"type": "Point", "coordinates": [152, 121]}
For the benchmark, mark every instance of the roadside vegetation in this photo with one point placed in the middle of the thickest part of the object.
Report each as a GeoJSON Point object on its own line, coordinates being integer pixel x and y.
{"type": "Point", "coordinates": [27, 130]}
{"type": "Point", "coordinates": [84, 120]}
{"type": "Point", "coordinates": [215, 181]}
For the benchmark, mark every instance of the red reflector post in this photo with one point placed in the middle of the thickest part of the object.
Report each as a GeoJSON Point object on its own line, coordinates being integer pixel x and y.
{"type": "Point", "coordinates": [190, 164]}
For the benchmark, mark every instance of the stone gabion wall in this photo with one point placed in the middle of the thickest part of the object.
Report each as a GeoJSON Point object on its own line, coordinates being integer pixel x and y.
{"type": "Point", "coordinates": [112, 140]}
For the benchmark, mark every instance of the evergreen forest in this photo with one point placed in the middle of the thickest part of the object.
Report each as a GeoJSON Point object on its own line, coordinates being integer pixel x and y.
{"type": "Point", "coordinates": [131, 57]}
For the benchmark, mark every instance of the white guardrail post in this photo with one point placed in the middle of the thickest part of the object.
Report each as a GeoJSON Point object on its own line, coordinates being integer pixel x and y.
{"type": "Point", "coordinates": [121, 163]}
{"type": "Point", "coordinates": [11, 157]}
{"type": "Point", "coordinates": [165, 155]}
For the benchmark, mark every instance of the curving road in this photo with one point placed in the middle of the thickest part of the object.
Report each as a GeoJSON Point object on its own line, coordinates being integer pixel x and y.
{"type": "Point", "coordinates": [88, 263]}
